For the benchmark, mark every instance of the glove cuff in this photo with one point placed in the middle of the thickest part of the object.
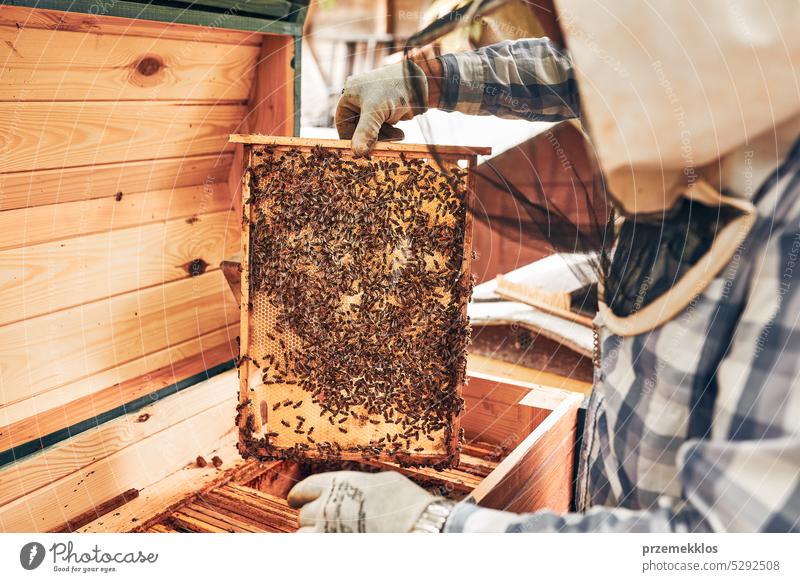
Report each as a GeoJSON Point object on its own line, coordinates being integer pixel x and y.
{"type": "Point", "coordinates": [417, 84]}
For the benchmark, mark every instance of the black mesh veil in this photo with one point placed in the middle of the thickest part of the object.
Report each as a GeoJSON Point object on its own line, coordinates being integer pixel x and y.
{"type": "Point", "coordinates": [529, 215]}
{"type": "Point", "coordinates": [649, 253]}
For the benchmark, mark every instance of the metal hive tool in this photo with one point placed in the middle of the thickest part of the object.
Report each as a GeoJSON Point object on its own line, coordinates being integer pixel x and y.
{"type": "Point", "coordinates": [355, 281]}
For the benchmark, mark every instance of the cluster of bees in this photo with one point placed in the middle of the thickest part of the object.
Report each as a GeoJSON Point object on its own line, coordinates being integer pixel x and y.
{"type": "Point", "coordinates": [363, 261]}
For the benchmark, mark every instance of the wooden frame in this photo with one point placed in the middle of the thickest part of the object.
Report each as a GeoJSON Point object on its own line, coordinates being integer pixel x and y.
{"type": "Point", "coordinates": [381, 147]}
{"type": "Point", "coordinates": [249, 407]}
{"type": "Point", "coordinates": [538, 473]}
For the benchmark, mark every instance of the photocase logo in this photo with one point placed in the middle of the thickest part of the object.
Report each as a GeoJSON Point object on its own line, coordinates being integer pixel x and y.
{"type": "Point", "coordinates": [31, 555]}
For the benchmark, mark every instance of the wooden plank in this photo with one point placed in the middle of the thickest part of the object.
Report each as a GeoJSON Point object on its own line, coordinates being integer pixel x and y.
{"type": "Point", "coordinates": [508, 290]}
{"type": "Point", "coordinates": [158, 177]}
{"type": "Point", "coordinates": [270, 108]}
{"type": "Point", "coordinates": [186, 425]}
{"type": "Point", "coordinates": [49, 351]}
{"type": "Point", "coordinates": [450, 479]}
{"type": "Point", "coordinates": [196, 497]}
{"type": "Point", "coordinates": [36, 426]}
{"type": "Point", "coordinates": [267, 8]}
{"type": "Point", "coordinates": [502, 425]}
{"type": "Point", "coordinates": [31, 226]}
{"type": "Point", "coordinates": [278, 480]}
{"type": "Point", "coordinates": [271, 105]}
{"type": "Point", "coordinates": [538, 473]}
{"type": "Point", "coordinates": [136, 370]}
{"type": "Point", "coordinates": [191, 523]}
{"type": "Point", "coordinates": [72, 455]}
{"type": "Point", "coordinates": [266, 526]}
{"type": "Point", "coordinates": [525, 349]}
{"type": "Point", "coordinates": [167, 493]}
{"type": "Point", "coordinates": [481, 450]}
{"type": "Point", "coordinates": [232, 269]}
{"type": "Point", "coordinates": [495, 388]}
{"type": "Point", "coordinates": [503, 412]}
{"type": "Point", "coordinates": [511, 391]}
{"type": "Point", "coordinates": [110, 132]}
{"type": "Point", "coordinates": [98, 511]}
{"type": "Point", "coordinates": [257, 517]}
{"type": "Point", "coordinates": [266, 508]}
{"type": "Point", "coordinates": [244, 301]}
{"type": "Point", "coordinates": [51, 276]}
{"type": "Point", "coordinates": [280, 505]}
{"type": "Point", "coordinates": [203, 513]}
{"type": "Point", "coordinates": [44, 65]}
{"type": "Point", "coordinates": [487, 368]}
{"type": "Point", "coordinates": [94, 24]}
{"type": "Point", "coordinates": [475, 465]}
{"type": "Point", "coordinates": [251, 470]}
{"type": "Point", "coordinates": [381, 146]}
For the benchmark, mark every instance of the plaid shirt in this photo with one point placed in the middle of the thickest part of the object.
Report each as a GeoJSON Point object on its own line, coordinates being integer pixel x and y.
{"type": "Point", "coordinates": [694, 426]}
{"type": "Point", "coordinates": [528, 79]}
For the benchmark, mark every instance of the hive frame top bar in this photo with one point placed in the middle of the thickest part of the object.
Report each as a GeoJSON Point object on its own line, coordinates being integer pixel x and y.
{"type": "Point", "coordinates": [381, 146]}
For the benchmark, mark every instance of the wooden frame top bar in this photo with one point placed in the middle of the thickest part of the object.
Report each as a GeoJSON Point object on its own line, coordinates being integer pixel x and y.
{"type": "Point", "coordinates": [380, 146]}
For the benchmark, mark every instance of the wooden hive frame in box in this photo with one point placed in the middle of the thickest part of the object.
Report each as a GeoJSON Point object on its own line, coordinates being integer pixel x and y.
{"type": "Point", "coordinates": [518, 455]}
{"type": "Point", "coordinates": [401, 210]}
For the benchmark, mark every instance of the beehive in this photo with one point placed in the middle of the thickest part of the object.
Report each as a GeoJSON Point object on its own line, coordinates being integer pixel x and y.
{"type": "Point", "coordinates": [517, 456]}
{"type": "Point", "coordinates": [356, 276]}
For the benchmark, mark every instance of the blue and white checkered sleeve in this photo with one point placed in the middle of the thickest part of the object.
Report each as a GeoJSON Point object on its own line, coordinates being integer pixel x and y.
{"type": "Point", "coordinates": [529, 79]}
{"type": "Point", "coordinates": [745, 475]}
{"type": "Point", "coordinates": [730, 486]}
{"type": "Point", "coordinates": [467, 518]}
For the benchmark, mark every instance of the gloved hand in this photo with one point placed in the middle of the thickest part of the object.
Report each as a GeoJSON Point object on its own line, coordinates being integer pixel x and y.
{"type": "Point", "coordinates": [372, 102]}
{"type": "Point", "coordinates": [349, 501]}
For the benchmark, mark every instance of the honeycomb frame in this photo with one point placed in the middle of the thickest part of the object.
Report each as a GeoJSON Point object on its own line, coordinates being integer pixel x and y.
{"type": "Point", "coordinates": [263, 405]}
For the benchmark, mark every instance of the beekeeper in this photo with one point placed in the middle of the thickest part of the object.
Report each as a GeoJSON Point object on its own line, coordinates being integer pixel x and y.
{"type": "Point", "coordinates": [694, 113]}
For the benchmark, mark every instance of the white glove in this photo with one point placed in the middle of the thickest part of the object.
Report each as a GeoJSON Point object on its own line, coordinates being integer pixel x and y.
{"type": "Point", "coordinates": [372, 102]}
{"type": "Point", "coordinates": [349, 501]}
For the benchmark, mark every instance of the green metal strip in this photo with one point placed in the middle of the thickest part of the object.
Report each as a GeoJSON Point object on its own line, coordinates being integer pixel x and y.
{"type": "Point", "coordinates": [297, 65]}
{"type": "Point", "coordinates": [268, 8]}
{"type": "Point", "coordinates": [15, 454]}
{"type": "Point", "coordinates": [172, 14]}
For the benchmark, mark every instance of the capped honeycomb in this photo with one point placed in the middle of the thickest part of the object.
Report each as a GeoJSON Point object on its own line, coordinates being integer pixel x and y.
{"type": "Point", "coordinates": [354, 290]}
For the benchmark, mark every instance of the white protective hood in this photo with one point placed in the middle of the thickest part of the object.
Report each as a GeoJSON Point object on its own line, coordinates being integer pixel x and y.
{"type": "Point", "coordinates": [668, 87]}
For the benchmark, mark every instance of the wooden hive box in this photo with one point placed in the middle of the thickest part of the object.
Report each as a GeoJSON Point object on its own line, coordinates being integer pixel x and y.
{"type": "Point", "coordinates": [355, 283]}
{"type": "Point", "coordinates": [118, 200]}
{"type": "Point", "coordinates": [517, 456]}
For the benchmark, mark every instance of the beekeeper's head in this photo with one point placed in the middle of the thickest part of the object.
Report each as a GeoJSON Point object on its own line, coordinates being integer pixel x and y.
{"type": "Point", "coordinates": [670, 87]}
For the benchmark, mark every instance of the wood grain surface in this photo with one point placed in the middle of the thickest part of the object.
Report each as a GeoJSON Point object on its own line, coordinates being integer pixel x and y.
{"type": "Point", "coordinates": [105, 132]}
{"type": "Point", "coordinates": [46, 65]}
{"type": "Point", "coordinates": [45, 352]}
